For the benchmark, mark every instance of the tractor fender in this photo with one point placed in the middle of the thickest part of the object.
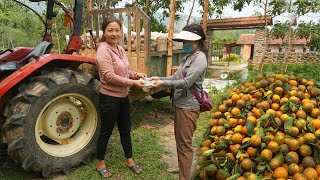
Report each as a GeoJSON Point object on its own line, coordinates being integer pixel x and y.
{"type": "Point", "coordinates": [19, 75]}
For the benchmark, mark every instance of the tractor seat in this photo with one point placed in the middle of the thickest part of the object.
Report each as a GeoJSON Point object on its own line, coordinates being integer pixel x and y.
{"type": "Point", "coordinates": [43, 48]}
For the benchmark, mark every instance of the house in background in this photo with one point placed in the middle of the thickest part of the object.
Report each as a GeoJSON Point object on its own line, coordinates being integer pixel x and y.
{"type": "Point", "coordinates": [297, 45]}
{"type": "Point", "coordinates": [246, 41]}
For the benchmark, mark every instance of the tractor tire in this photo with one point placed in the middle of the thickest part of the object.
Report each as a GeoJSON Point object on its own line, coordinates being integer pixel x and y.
{"type": "Point", "coordinates": [52, 123]}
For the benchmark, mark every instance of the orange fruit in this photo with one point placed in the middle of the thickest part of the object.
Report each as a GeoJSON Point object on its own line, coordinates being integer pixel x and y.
{"type": "Point", "coordinates": [292, 157]}
{"type": "Point", "coordinates": [279, 139]}
{"type": "Point", "coordinates": [274, 163]}
{"type": "Point", "coordinates": [307, 107]}
{"type": "Point", "coordinates": [305, 150]}
{"type": "Point", "coordinates": [255, 140]}
{"type": "Point", "coordinates": [266, 154]}
{"type": "Point", "coordinates": [233, 122]}
{"type": "Point", "coordinates": [220, 130]}
{"type": "Point", "coordinates": [299, 176]}
{"type": "Point", "coordinates": [301, 114]}
{"type": "Point", "coordinates": [283, 100]}
{"type": "Point", "coordinates": [283, 117]}
{"type": "Point", "coordinates": [310, 173]}
{"type": "Point", "coordinates": [293, 131]}
{"type": "Point", "coordinates": [203, 149]}
{"type": "Point", "coordinates": [318, 169]}
{"type": "Point", "coordinates": [229, 102]}
{"type": "Point", "coordinates": [273, 147]}
{"type": "Point", "coordinates": [206, 142]}
{"type": "Point", "coordinates": [293, 169]}
{"type": "Point", "coordinates": [284, 148]}
{"type": "Point", "coordinates": [275, 106]}
{"type": "Point", "coordinates": [316, 123]}
{"type": "Point", "coordinates": [315, 113]}
{"type": "Point", "coordinates": [252, 119]}
{"type": "Point", "coordinates": [235, 97]}
{"type": "Point", "coordinates": [246, 164]}
{"type": "Point", "coordinates": [216, 115]}
{"type": "Point", "coordinates": [234, 148]}
{"type": "Point", "coordinates": [235, 111]}
{"type": "Point", "coordinates": [264, 105]}
{"type": "Point", "coordinates": [293, 83]}
{"type": "Point", "coordinates": [308, 162]}
{"type": "Point", "coordinates": [309, 138]}
{"type": "Point", "coordinates": [252, 152]}
{"type": "Point", "coordinates": [293, 144]}
{"type": "Point", "coordinates": [222, 108]}
{"type": "Point", "coordinates": [240, 103]}
{"type": "Point", "coordinates": [300, 124]}
{"type": "Point", "coordinates": [280, 172]}
{"type": "Point", "coordinates": [237, 138]}
{"type": "Point", "coordinates": [275, 98]}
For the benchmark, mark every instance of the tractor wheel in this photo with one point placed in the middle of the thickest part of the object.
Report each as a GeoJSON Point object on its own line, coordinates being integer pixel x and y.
{"type": "Point", "coordinates": [53, 121]}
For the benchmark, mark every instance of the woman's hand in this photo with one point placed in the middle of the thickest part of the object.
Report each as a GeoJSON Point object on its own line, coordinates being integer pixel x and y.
{"type": "Point", "coordinates": [137, 83]}
{"type": "Point", "coordinates": [156, 78]}
{"type": "Point", "coordinates": [158, 83]}
{"type": "Point", "coordinates": [141, 75]}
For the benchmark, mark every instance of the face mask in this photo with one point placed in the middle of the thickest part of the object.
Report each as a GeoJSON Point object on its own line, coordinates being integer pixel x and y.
{"type": "Point", "coordinates": [188, 48]}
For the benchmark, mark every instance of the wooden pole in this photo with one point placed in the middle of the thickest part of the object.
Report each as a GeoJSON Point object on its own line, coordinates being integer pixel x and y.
{"type": "Point", "coordinates": [265, 36]}
{"type": "Point", "coordinates": [191, 12]}
{"type": "Point", "coordinates": [288, 49]}
{"type": "Point", "coordinates": [170, 35]}
{"type": "Point", "coordinates": [205, 15]}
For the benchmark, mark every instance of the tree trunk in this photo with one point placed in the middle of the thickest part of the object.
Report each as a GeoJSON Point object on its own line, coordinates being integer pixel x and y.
{"type": "Point", "coordinates": [205, 15]}
{"type": "Point", "coordinates": [170, 35]}
{"type": "Point", "coordinates": [288, 49]}
{"type": "Point", "coordinates": [191, 12]}
{"type": "Point", "coordinates": [265, 36]}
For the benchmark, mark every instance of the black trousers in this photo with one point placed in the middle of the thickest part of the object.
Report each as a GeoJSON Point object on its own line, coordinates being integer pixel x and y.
{"type": "Point", "coordinates": [112, 110]}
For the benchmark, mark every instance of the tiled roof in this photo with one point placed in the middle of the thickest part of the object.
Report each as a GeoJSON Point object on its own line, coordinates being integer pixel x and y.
{"type": "Point", "coordinates": [246, 39]}
{"type": "Point", "coordinates": [238, 23]}
{"type": "Point", "coordinates": [250, 38]}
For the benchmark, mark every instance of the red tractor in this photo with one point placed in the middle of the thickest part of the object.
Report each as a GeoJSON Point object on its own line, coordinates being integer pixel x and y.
{"type": "Point", "coordinates": [48, 107]}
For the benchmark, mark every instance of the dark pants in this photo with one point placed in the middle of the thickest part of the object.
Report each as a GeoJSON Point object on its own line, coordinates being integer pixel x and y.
{"type": "Point", "coordinates": [184, 126]}
{"type": "Point", "coordinates": [112, 110]}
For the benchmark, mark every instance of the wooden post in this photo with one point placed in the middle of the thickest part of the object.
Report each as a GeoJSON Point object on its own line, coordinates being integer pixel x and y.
{"type": "Point", "coordinates": [205, 15]}
{"type": "Point", "coordinates": [265, 36]}
{"type": "Point", "coordinates": [170, 35]}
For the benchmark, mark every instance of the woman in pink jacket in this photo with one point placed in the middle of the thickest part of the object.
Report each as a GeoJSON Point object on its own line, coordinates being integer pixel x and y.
{"type": "Point", "coordinates": [116, 80]}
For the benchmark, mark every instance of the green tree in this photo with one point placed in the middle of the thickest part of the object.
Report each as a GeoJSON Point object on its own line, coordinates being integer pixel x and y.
{"type": "Point", "coordinates": [19, 26]}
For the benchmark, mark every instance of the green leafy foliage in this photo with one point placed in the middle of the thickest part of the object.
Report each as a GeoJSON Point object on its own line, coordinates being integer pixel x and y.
{"type": "Point", "coordinates": [233, 57]}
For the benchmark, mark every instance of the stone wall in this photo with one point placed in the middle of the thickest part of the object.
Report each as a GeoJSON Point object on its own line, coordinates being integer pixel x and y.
{"type": "Point", "coordinates": [258, 46]}
{"type": "Point", "coordinates": [293, 57]}
{"type": "Point", "coordinates": [276, 57]}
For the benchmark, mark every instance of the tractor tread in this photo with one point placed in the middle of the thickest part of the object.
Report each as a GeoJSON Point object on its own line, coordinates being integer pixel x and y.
{"type": "Point", "coordinates": [16, 145]}
{"type": "Point", "coordinates": [29, 162]}
{"type": "Point", "coordinates": [15, 121]}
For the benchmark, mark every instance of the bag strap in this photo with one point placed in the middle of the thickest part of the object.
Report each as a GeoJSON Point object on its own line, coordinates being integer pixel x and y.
{"type": "Point", "coordinates": [192, 88]}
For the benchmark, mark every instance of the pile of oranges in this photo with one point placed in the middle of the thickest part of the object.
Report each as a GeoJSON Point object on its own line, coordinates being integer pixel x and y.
{"type": "Point", "coordinates": [269, 129]}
